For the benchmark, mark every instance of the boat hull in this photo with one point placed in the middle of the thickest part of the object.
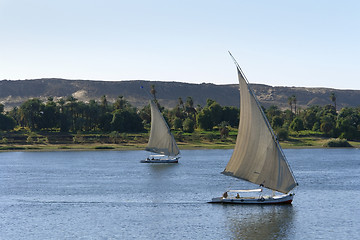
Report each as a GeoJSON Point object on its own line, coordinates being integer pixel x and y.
{"type": "Point", "coordinates": [175, 160]}
{"type": "Point", "coordinates": [279, 199]}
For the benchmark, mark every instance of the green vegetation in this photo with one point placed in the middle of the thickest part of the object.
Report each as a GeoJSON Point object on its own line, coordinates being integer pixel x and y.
{"type": "Point", "coordinates": [337, 143]}
{"type": "Point", "coordinates": [72, 124]}
{"type": "Point", "coordinates": [11, 148]}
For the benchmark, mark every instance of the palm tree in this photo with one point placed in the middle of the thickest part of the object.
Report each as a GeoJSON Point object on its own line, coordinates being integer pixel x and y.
{"type": "Point", "coordinates": [189, 108]}
{"type": "Point", "coordinates": [1, 108]}
{"type": "Point", "coordinates": [333, 99]}
{"type": "Point", "coordinates": [103, 101]}
{"type": "Point", "coordinates": [72, 106]}
{"type": "Point", "coordinates": [290, 102]}
{"type": "Point", "coordinates": [181, 103]}
{"type": "Point", "coordinates": [294, 101]}
{"type": "Point", "coordinates": [120, 103]}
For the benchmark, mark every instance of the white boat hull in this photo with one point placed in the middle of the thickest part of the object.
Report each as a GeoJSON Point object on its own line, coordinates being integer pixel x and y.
{"type": "Point", "coordinates": [170, 160]}
{"type": "Point", "coordinates": [277, 199]}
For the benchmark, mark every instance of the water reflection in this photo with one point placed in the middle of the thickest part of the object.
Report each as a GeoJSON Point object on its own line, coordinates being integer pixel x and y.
{"type": "Point", "coordinates": [161, 168]}
{"type": "Point", "coordinates": [160, 181]}
{"type": "Point", "coordinates": [260, 222]}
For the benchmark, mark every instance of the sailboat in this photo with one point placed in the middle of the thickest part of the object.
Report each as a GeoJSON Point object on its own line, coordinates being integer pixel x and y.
{"type": "Point", "coordinates": [257, 157]}
{"type": "Point", "coordinates": [161, 141]}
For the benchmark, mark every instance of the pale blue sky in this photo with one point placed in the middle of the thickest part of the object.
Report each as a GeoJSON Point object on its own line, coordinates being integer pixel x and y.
{"type": "Point", "coordinates": [280, 43]}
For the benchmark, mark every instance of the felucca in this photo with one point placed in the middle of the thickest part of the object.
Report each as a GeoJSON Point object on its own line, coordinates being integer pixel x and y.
{"type": "Point", "coordinates": [257, 156]}
{"type": "Point", "coordinates": [161, 141]}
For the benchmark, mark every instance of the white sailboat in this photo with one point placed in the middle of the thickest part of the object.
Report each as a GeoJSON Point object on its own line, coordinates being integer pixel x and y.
{"type": "Point", "coordinates": [161, 141]}
{"type": "Point", "coordinates": [258, 157]}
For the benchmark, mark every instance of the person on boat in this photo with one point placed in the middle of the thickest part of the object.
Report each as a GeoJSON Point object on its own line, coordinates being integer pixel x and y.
{"type": "Point", "coordinates": [225, 195]}
{"type": "Point", "coordinates": [237, 195]}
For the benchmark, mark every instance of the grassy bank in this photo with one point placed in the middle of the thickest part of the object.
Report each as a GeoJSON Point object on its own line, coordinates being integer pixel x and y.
{"type": "Point", "coordinates": [24, 140]}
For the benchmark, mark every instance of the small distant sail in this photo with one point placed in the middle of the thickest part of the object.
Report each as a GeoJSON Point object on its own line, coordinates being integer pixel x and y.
{"type": "Point", "coordinates": [257, 156]}
{"type": "Point", "coordinates": [161, 140]}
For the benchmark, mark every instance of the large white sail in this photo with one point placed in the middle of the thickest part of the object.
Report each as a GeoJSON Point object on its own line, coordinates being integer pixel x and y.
{"type": "Point", "coordinates": [161, 140]}
{"type": "Point", "coordinates": [257, 155]}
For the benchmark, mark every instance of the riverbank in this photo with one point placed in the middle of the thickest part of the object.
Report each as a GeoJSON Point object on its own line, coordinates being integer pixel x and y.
{"type": "Point", "coordinates": [304, 142]}
{"type": "Point", "coordinates": [25, 140]}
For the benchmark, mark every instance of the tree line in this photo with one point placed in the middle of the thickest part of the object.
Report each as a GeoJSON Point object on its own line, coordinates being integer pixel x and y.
{"type": "Point", "coordinates": [344, 123]}
{"type": "Point", "coordinates": [70, 115]}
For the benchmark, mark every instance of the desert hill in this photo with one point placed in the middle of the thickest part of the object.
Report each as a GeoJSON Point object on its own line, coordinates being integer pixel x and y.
{"type": "Point", "coordinates": [13, 93]}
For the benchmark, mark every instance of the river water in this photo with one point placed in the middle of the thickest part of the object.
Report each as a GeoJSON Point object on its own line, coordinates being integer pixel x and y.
{"type": "Point", "coordinates": [111, 195]}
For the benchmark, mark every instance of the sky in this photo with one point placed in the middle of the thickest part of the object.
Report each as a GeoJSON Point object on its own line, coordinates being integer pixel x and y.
{"type": "Point", "coordinates": [279, 43]}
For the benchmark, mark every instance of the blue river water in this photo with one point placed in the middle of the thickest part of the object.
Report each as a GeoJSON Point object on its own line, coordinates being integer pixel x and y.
{"type": "Point", "coordinates": [111, 195]}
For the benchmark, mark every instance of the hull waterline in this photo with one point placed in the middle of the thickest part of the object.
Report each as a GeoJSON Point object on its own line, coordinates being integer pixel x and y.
{"type": "Point", "coordinates": [160, 161]}
{"type": "Point", "coordinates": [281, 199]}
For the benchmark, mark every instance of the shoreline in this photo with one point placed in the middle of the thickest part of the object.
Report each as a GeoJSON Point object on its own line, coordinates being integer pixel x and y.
{"type": "Point", "coordinates": [53, 141]}
{"type": "Point", "coordinates": [138, 146]}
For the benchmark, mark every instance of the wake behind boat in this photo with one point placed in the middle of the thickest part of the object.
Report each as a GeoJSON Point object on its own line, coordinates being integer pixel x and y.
{"type": "Point", "coordinates": [258, 156]}
{"type": "Point", "coordinates": [161, 140]}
